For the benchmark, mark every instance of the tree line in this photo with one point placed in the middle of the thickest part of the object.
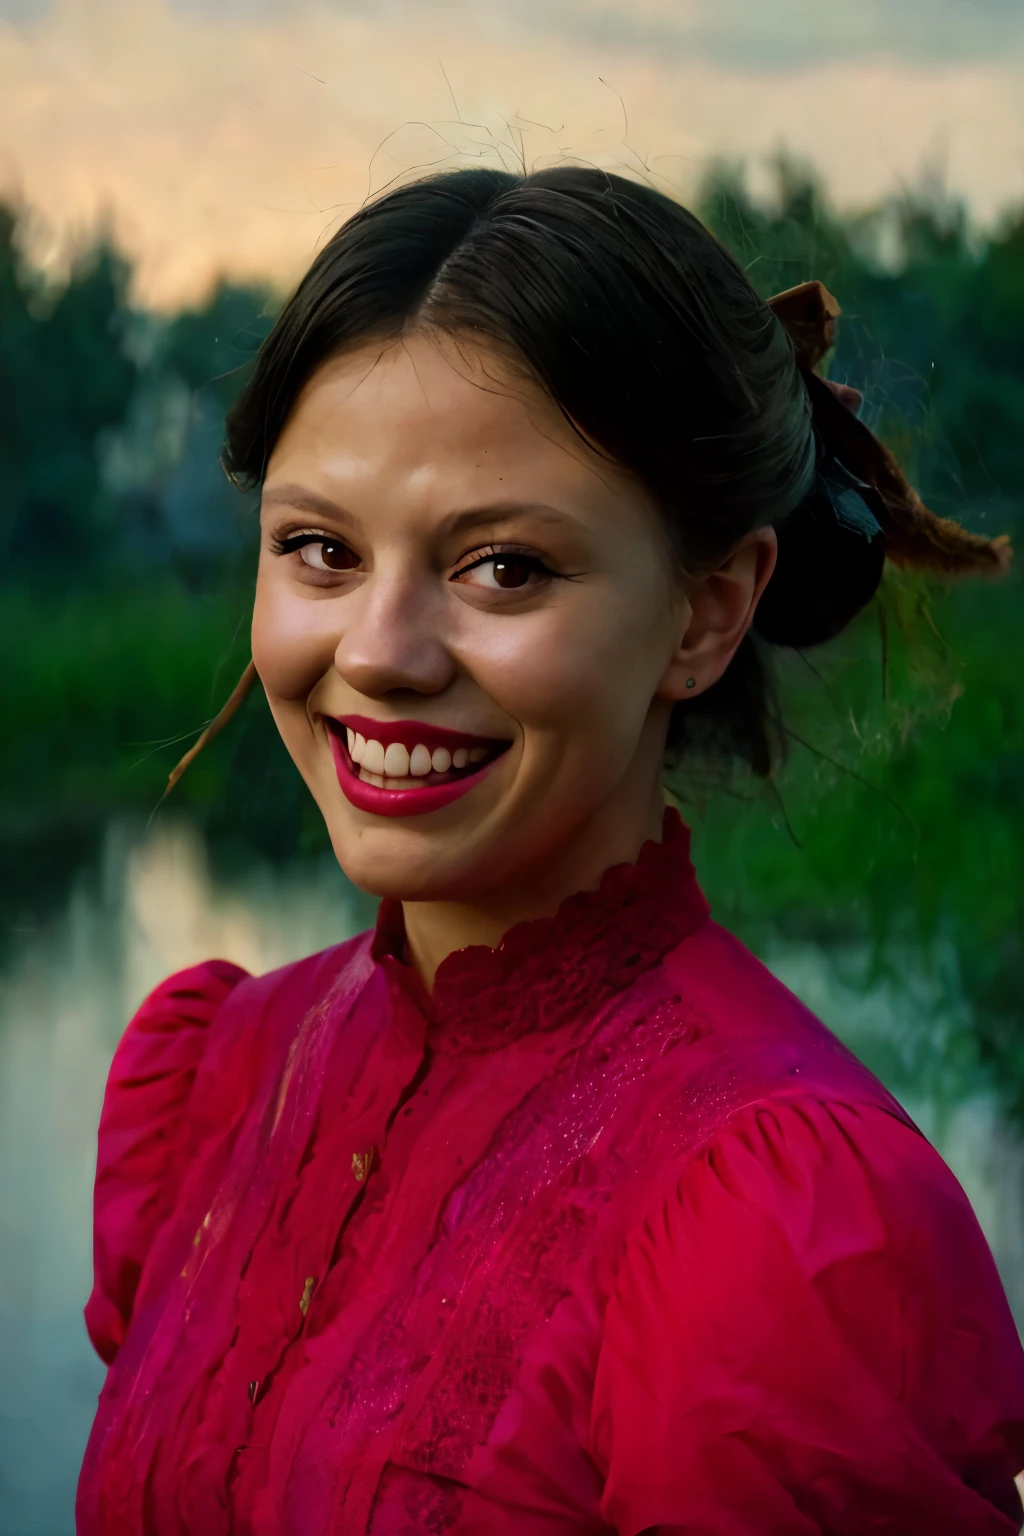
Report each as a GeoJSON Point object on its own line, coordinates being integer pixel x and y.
{"type": "Point", "coordinates": [897, 827]}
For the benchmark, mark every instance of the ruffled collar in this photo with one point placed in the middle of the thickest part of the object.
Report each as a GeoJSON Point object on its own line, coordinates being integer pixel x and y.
{"type": "Point", "coordinates": [551, 971]}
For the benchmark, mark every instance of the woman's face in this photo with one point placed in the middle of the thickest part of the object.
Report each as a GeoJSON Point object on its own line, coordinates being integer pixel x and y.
{"type": "Point", "coordinates": [465, 622]}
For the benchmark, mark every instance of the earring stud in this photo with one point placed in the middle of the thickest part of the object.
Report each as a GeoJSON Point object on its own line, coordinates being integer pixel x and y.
{"type": "Point", "coordinates": [691, 682]}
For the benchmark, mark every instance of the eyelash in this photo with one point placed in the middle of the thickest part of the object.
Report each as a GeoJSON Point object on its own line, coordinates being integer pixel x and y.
{"type": "Point", "coordinates": [495, 552]}
{"type": "Point", "coordinates": [296, 541]}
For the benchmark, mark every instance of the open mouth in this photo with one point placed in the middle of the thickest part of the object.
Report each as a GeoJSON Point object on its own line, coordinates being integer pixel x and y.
{"type": "Point", "coordinates": [406, 766]}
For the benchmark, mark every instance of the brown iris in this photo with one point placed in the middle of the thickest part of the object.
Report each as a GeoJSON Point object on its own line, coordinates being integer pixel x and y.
{"type": "Point", "coordinates": [337, 557]}
{"type": "Point", "coordinates": [512, 570]}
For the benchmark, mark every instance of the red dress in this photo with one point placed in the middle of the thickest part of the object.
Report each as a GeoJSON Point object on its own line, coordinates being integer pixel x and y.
{"type": "Point", "coordinates": [608, 1235]}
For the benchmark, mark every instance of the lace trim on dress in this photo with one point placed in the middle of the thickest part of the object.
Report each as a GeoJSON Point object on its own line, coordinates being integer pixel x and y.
{"type": "Point", "coordinates": [551, 971]}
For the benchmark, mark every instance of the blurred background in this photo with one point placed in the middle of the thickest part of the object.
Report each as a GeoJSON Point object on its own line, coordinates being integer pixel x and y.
{"type": "Point", "coordinates": [167, 169]}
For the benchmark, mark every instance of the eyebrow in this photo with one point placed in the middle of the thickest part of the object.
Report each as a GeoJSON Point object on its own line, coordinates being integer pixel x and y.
{"type": "Point", "coordinates": [503, 512]}
{"type": "Point", "coordinates": [303, 500]}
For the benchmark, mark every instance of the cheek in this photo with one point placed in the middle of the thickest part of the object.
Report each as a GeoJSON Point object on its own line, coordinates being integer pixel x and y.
{"type": "Point", "coordinates": [293, 640]}
{"type": "Point", "coordinates": [586, 671]}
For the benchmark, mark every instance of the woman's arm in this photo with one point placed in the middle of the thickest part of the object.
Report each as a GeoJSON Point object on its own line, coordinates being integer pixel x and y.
{"type": "Point", "coordinates": [808, 1334]}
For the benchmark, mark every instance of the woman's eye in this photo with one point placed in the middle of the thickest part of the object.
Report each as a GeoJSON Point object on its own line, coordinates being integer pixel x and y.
{"type": "Point", "coordinates": [328, 555]}
{"type": "Point", "coordinates": [318, 551]}
{"type": "Point", "coordinates": [503, 573]}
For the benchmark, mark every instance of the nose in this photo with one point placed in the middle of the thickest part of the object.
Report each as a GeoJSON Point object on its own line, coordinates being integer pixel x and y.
{"type": "Point", "coordinates": [393, 639]}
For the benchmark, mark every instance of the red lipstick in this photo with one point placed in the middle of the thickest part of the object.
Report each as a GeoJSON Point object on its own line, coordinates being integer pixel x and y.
{"type": "Point", "coordinates": [414, 767]}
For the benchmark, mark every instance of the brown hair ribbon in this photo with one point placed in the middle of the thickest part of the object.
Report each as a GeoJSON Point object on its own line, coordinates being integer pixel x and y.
{"type": "Point", "coordinates": [914, 536]}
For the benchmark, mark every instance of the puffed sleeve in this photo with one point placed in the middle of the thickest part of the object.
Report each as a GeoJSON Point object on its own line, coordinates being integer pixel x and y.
{"type": "Point", "coordinates": [807, 1333]}
{"type": "Point", "coordinates": [143, 1137]}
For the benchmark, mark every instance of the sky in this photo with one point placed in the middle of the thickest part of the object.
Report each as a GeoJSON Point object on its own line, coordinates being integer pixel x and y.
{"type": "Point", "coordinates": [231, 136]}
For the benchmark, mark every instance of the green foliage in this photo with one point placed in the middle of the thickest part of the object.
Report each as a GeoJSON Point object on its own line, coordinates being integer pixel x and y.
{"type": "Point", "coordinates": [111, 688]}
{"type": "Point", "coordinates": [934, 336]}
{"type": "Point", "coordinates": [208, 347]}
{"type": "Point", "coordinates": [65, 377]}
{"type": "Point", "coordinates": [898, 823]}
{"type": "Point", "coordinates": [899, 819]}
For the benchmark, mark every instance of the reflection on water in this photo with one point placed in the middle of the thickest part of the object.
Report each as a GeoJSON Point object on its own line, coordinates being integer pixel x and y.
{"type": "Point", "coordinates": [64, 999]}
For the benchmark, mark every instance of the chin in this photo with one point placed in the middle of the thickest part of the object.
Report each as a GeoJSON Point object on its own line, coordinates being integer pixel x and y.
{"type": "Point", "coordinates": [402, 864]}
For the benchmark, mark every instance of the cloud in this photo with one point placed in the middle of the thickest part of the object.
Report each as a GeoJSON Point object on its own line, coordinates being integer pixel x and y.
{"type": "Point", "coordinates": [748, 34]}
{"type": "Point", "coordinates": [23, 10]}
{"type": "Point", "coordinates": [233, 136]}
{"type": "Point", "coordinates": [788, 34]}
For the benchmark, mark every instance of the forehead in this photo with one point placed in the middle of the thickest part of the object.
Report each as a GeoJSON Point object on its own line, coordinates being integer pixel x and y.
{"type": "Point", "coordinates": [443, 419]}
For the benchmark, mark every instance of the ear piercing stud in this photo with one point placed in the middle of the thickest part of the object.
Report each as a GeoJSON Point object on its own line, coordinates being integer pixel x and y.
{"type": "Point", "coordinates": [691, 682]}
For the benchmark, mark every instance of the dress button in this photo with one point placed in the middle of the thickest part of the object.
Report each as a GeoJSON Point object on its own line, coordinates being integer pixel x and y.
{"type": "Point", "coordinates": [361, 1164]}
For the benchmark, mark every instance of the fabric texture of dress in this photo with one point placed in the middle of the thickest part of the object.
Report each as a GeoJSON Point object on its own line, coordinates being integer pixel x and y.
{"type": "Point", "coordinates": [608, 1234]}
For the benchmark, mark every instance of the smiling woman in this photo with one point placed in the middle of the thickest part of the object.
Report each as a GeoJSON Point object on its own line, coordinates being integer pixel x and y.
{"type": "Point", "coordinates": [543, 1207]}
{"type": "Point", "coordinates": [477, 567]}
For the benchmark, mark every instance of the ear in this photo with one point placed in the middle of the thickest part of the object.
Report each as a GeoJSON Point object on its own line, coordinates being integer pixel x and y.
{"type": "Point", "coordinates": [717, 613]}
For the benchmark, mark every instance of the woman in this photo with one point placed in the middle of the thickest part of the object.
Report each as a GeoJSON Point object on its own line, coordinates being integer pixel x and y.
{"type": "Point", "coordinates": [543, 1207]}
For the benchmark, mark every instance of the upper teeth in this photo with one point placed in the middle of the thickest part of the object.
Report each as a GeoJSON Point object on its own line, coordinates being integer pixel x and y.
{"type": "Point", "coordinates": [419, 762]}
{"type": "Point", "coordinates": [397, 762]}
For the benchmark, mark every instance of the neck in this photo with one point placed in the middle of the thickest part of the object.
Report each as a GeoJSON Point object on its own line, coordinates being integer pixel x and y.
{"type": "Point", "coordinates": [434, 929]}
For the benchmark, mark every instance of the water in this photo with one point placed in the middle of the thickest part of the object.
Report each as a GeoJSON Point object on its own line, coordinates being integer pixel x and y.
{"type": "Point", "coordinates": [65, 995]}
{"type": "Point", "coordinates": [64, 1000]}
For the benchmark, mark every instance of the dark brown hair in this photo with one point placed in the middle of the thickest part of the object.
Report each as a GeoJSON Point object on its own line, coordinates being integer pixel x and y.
{"type": "Point", "coordinates": [655, 346]}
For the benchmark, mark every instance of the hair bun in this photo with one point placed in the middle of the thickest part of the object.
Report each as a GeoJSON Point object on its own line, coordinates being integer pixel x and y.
{"type": "Point", "coordinates": [831, 555]}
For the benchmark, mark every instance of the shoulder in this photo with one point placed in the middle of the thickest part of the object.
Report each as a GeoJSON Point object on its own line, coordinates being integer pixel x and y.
{"type": "Point", "coordinates": [735, 1035]}
{"type": "Point", "coordinates": [761, 1121]}
{"type": "Point", "coordinates": [829, 1177]}
{"type": "Point", "coordinates": [742, 1007]}
{"type": "Point", "coordinates": [211, 1020]}
{"type": "Point", "coordinates": [735, 1065]}
{"type": "Point", "coordinates": [811, 1294]}
{"type": "Point", "coordinates": [184, 1070]}
{"type": "Point", "coordinates": [140, 1143]}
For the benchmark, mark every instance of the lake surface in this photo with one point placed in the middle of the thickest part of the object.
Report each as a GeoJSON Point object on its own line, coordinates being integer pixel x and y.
{"type": "Point", "coordinates": [152, 907]}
